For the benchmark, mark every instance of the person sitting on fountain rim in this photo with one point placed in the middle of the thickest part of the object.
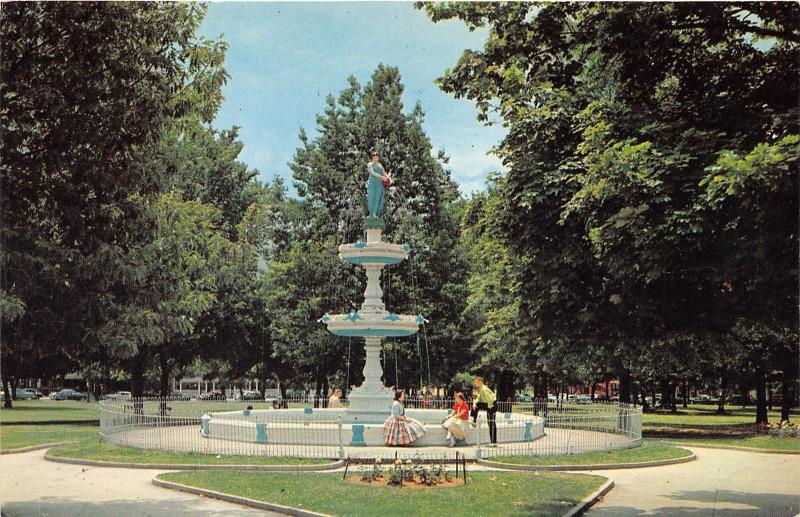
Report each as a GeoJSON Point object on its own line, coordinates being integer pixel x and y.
{"type": "Point", "coordinates": [485, 400]}
{"type": "Point", "coordinates": [455, 422]}
{"type": "Point", "coordinates": [335, 399]}
{"type": "Point", "coordinates": [398, 428]}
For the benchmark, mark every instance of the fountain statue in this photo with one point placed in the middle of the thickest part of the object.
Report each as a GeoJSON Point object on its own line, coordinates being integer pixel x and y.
{"type": "Point", "coordinates": [371, 402]}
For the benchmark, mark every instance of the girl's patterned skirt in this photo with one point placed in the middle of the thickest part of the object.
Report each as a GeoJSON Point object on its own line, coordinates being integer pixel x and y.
{"type": "Point", "coordinates": [400, 432]}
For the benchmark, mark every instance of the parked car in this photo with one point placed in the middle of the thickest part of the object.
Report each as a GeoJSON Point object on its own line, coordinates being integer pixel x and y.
{"type": "Point", "coordinates": [701, 399]}
{"type": "Point", "coordinates": [22, 394]}
{"type": "Point", "coordinates": [68, 394]}
{"type": "Point", "coordinates": [248, 395]}
{"type": "Point", "coordinates": [583, 399]}
{"type": "Point", "coordinates": [213, 395]}
{"type": "Point", "coordinates": [524, 397]}
{"type": "Point", "coordinates": [120, 395]}
{"type": "Point", "coordinates": [36, 393]}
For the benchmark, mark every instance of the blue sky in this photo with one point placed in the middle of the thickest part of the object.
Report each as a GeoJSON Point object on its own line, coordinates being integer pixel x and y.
{"type": "Point", "coordinates": [285, 58]}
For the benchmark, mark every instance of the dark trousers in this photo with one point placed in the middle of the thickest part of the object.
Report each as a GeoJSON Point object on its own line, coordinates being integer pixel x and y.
{"type": "Point", "coordinates": [490, 414]}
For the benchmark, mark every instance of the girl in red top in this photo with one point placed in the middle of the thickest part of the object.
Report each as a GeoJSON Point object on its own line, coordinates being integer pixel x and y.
{"type": "Point", "coordinates": [455, 424]}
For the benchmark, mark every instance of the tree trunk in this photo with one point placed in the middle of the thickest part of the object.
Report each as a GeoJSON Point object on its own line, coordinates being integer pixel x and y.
{"type": "Point", "coordinates": [591, 391]}
{"type": "Point", "coordinates": [666, 393]}
{"type": "Point", "coordinates": [7, 392]}
{"type": "Point", "coordinates": [723, 385]}
{"type": "Point", "coordinates": [685, 393]}
{"type": "Point", "coordinates": [761, 398]}
{"type": "Point", "coordinates": [317, 390]}
{"type": "Point", "coordinates": [786, 395]}
{"type": "Point", "coordinates": [284, 399]}
{"type": "Point", "coordinates": [14, 382]}
{"type": "Point", "coordinates": [166, 369]}
{"type": "Point", "coordinates": [608, 391]}
{"type": "Point", "coordinates": [625, 386]}
{"type": "Point", "coordinates": [137, 376]}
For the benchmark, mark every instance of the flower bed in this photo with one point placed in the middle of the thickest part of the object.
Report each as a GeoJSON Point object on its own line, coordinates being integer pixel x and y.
{"type": "Point", "coordinates": [406, 473]}
{"type": "Point", "coordinates": [784, 429]}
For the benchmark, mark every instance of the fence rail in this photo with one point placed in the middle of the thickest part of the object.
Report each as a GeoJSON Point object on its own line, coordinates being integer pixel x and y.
{"type": "Point", "coordinates": [178, 425]}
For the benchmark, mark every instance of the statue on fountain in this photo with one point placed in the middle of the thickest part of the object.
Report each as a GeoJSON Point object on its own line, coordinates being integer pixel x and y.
{"type": "Point", "coordinates": [377, 183]}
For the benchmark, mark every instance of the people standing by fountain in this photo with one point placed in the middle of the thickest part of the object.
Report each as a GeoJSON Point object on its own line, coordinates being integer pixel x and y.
{"type": "Point", "coordinates": [335, 399]}
{"type": "Point", "coordinates": [398, 428]}
{"type": "Point", "coordinates": [456, 422]}
{"type": "Point", "coordinates": [485, 400]}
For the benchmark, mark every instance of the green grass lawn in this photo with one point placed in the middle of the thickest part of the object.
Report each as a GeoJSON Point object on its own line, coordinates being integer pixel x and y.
{"type": "Point", "coordinates": [487, 493]}
{"type": "Point", "coordinates": [705, 415]}
{"type": "Point", "coordinates": [94, 449]}
{"type": "Point", "coordinates": [700, 422]}
{"type": "Point", "coordinates": [50, 410]}
{"type": "Point", "coordinates": [757, 442]}
{"type": "Point", "coordinates": [17, 436]}
{"type": "Point", "coordinates": [648, 451]}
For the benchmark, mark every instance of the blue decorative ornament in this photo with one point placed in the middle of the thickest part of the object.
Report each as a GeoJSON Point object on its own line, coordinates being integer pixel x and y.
{"type": "Point", "coordinates": [421, 319]}
{"type": "Point", "coordinates": [392, 317]}
{"type": "Point", "coordinates": [528, 436]}
{"type": "Point", "coordinates": [353, 316]}
{"type": "Point", "coordinates": [360, 244]}
{"type": "Point", "coordinates": [406, 248]}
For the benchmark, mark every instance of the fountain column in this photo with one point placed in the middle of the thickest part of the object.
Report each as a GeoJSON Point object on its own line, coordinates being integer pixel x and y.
{"type": "Point", "coordinates": [371, 402]}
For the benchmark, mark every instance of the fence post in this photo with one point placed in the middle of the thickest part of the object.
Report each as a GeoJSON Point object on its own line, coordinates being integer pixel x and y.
{"type": "Point", "coordinates": [478, 440]}
{"type": "Point", "coordinates": [341, 438]}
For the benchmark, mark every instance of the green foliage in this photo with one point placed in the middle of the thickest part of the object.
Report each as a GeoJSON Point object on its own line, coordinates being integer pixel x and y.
{"type": "Point", "coordinates": [87, 91]}
{"type": "Point", "coordinates": [329, 174]}
{"type": "Point", "coordinates": [652, 191]}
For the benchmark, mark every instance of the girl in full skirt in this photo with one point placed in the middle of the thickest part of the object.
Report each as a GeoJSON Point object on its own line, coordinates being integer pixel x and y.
{"type": "Point", "coordinates": [398, 428]}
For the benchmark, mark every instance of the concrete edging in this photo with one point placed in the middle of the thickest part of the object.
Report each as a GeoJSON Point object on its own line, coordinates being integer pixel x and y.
{"type": "Point", "coordinates": [32, 448]}
{"type": "Point", "coordinates": [54, 422]}
{"type": "Point", "coordinates": [731, 448]}
{"type": "Point", "coordinates": [590, 500]}
{"type": "Point", "coordinates": [244, 501]}
{"type": "Point", "coordinates": [609, 466]}
{"type": "Point", "coordinates": [173, 466]}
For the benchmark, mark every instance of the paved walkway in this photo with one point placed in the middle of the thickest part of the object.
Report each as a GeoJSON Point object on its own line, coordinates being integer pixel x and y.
{"type": "Point", "coordinates": [719, 483]}
{"type": "Point", "coordinates": [32, 486]}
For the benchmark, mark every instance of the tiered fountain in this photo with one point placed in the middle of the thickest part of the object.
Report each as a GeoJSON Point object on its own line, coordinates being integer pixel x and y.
{"type": "Point", "coordinates": [371, 402]}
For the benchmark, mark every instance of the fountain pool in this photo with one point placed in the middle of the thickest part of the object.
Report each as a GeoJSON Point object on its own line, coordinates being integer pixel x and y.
{"type": "Point", "coordinates": [291, 426]}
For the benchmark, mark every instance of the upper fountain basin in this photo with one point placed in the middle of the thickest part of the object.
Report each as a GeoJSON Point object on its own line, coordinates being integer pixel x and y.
{"type": "Point", "coordinates": [372, 324]}
{"type": "Point", "coordinates": [373, 252]}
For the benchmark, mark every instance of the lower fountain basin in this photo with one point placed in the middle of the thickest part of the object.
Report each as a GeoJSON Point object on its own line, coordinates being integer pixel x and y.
{"type": "Point", "coordinates": [372, 325]}
{"type": "Point", "coordinates": [321, 427]}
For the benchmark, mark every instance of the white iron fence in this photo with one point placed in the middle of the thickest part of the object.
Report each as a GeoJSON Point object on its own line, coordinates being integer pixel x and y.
{"type": "Point", "coordinates": [177, 425]}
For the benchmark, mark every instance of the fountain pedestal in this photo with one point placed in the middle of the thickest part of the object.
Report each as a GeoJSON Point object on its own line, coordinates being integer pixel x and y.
{"type": "Point", "coordinates": [371, 402]}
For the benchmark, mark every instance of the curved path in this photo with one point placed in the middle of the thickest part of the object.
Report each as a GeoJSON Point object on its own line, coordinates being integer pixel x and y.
{"type": "Point", "coordinates": [720, 482]}
{"type": "Point", "coordinates": [32, 486]}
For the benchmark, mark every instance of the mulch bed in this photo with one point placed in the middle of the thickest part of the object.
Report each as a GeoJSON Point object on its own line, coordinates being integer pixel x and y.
{"type": "Point", "coordinates": [356, 480]}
